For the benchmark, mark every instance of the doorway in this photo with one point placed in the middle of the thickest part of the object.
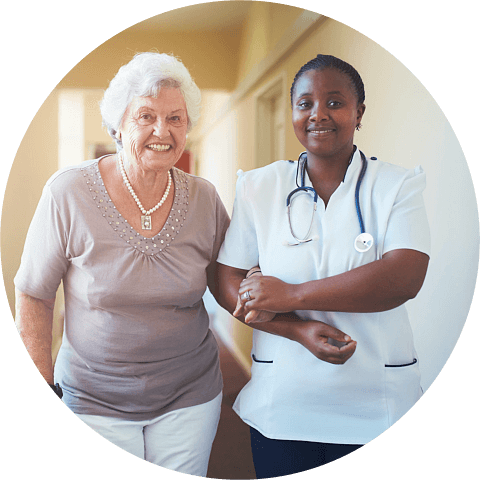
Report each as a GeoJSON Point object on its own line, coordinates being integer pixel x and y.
{"type": "Point", "coordinates": [270, 108]}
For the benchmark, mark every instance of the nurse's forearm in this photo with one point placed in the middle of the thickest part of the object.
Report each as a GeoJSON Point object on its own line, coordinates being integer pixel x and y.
{"type": "Point", "coordinates": [34, 320]}
{"type": "Point", "coordinates": [375, 287]}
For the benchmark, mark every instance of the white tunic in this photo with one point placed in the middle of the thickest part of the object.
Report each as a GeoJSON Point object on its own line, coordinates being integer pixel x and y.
{"type": "Point", "coordinates": [293, 395]}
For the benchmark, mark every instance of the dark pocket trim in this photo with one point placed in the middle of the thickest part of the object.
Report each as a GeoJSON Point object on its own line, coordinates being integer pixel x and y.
{"type": "Point", "coordinates": [260, 361]}
{"type": "Point", "coordinates": [404, 365]}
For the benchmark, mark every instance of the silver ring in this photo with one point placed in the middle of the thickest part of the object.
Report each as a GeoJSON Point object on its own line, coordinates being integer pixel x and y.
{"type": "Point", "coordinates": [246, 296]}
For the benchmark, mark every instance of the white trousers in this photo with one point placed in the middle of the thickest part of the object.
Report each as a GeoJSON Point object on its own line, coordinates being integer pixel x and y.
{"type": "Point", "coordinates": [180, 440]}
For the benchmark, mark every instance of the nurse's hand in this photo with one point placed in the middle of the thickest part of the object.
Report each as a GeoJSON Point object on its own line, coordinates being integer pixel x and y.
{"type": "Point", "coordinates": [314, 336]}
{"type": "Point", "coordinates": [260, 292]}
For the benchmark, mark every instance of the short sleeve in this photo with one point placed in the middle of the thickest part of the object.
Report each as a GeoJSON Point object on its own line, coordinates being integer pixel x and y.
{"type": "Point", "coordinates": [44, 261]}
{"type": "Point", "coordinates": [240, 248]}
{"type": "Point", "coordinates": [222, 222]}
{"type": "Point", "coordinates": [407, 225]}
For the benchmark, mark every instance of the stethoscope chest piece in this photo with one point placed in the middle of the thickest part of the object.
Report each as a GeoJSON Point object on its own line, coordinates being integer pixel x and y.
{"type": "Point", "coordinates": [363, 242]}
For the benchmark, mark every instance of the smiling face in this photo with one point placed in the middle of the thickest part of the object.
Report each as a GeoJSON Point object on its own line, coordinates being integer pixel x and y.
{"type": "Point", "coordinates": [154, 130]}
{"type": "Point", "coordinates": [325, 113]}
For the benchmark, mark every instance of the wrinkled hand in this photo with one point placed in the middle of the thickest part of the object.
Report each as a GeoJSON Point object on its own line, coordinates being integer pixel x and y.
{"type": "Point", "coordinates": [252, 316]}
{"type": "Point", "coordinates": [314, 335]}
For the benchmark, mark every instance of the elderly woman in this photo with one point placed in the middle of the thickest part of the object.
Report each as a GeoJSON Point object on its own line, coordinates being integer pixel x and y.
{"type": "Point", "coordinates": [135, 242]}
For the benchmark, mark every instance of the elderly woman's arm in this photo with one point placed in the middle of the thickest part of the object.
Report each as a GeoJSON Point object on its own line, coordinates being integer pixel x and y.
{"type": "Point", "coordinates": [34, 320]}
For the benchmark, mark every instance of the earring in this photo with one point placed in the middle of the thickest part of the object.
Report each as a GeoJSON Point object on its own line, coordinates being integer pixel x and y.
{"type": "Point", "coordinates": [118, 135]}
{"type": "Point", "coordinates": [358, 127]}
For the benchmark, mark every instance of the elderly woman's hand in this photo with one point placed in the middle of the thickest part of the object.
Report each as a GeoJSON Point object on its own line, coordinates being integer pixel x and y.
{"type": "Point", "coordinates": [252, 316]}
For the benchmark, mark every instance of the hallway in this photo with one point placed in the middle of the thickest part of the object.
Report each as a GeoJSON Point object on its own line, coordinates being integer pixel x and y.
{"type": "Point", "coordinates": [231, 457]}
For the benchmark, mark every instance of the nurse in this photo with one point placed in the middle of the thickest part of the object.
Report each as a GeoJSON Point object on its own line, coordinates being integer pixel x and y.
{"type": "Point", "coordinates": [334, 363]}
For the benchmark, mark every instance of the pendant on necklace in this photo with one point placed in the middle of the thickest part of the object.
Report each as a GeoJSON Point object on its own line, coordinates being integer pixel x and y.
{"type": "Point", "coordinates": [146, 222]}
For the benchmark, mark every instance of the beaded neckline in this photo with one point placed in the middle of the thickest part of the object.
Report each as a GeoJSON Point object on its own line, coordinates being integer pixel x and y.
{"type": "Point", "coordinates": [147, 246]}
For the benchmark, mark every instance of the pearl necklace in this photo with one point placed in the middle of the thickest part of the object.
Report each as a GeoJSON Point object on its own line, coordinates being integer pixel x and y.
{"type": "Point", "coordinates": [146, 219]}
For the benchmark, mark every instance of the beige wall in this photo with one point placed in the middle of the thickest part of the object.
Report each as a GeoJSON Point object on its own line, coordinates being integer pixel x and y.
{"type": "Point", "coordinates": [402, 125]}
{"type": "Point", "coordinates": [38, 160]}
{"type": "Point", "coordinates": [212, 62]}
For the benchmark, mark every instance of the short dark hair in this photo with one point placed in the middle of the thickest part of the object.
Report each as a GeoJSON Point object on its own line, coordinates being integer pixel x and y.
{"type": "Point", "coordinates": [321, 62]}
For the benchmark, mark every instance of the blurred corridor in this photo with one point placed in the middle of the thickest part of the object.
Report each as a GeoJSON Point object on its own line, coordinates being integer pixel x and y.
{"type": "Point", "coordinates": [231, 457]}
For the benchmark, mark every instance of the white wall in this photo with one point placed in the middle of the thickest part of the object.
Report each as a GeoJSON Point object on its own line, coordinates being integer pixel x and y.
{"type": "Point", "coordinates": [216, 154]}
{"type": "Point", "coordinates": [440, 310]}
{"type": "Point", "coordinates": [404, 125]}
{"type": "Point", "coordinates": [79, 125]}
{"type": "Point", "coordinates": [71, 132]}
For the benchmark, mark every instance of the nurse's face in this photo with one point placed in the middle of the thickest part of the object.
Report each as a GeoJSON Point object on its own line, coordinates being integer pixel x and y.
{"type": "Point", "coordinates": [325, 113]}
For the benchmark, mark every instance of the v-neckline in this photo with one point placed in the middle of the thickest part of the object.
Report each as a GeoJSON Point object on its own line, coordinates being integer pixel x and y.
{"type": "Point", "coordinates": [148, 246]}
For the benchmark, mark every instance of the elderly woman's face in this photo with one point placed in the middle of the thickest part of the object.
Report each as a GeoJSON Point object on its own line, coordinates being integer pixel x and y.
{"type": "Point", "coordinates": [154, 130]}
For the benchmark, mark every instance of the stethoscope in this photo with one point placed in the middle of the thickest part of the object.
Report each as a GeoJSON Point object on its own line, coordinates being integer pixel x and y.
{"type": "Point", "coordinates": [363, 242]}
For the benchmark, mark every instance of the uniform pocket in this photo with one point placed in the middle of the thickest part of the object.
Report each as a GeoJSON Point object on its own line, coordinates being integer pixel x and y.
{"type": "Point", "coordinates": [404, 365]}
{"type": "Point", "coordinates": [256, 360]}
{"type": "Point", "coordinates": [263, 353]}
{"type": "Point", "coordinates": [262, 366]}
{"type": "Point", "coordinates": [402, 389]}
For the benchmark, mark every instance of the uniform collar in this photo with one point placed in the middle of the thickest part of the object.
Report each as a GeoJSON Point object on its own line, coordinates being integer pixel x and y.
{"type": "Point", "coordinates": [353, 167]}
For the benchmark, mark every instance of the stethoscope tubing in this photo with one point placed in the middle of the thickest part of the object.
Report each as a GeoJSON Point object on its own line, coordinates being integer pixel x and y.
{"type": "Point", "coordinates": [364, 241]}
{"type": "Point", "coordinates": [357, 192]}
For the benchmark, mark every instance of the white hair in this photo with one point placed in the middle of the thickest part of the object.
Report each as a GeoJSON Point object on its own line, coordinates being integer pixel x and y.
{"type": "Point", "coordinates": [144, 76]}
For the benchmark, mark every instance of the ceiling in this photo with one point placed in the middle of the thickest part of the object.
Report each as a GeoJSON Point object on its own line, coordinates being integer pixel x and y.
{"type": "Point", "coordinates": [204, 16]}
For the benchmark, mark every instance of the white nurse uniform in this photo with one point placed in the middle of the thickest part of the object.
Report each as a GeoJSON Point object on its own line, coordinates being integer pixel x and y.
{"type": "Point", "coordinates": [292, 395]}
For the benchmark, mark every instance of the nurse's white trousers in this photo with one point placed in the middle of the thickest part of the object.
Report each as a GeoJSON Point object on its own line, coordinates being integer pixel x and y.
{"type": "Point", "coordinates": [180, 440]}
